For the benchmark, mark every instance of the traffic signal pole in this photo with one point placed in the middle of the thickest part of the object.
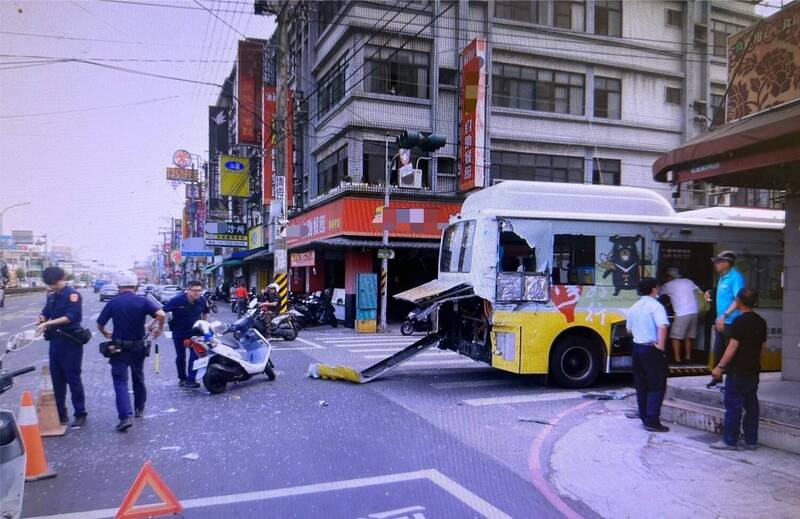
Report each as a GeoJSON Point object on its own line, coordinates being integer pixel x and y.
{"type": "Point", "coordinates": [384, 327]}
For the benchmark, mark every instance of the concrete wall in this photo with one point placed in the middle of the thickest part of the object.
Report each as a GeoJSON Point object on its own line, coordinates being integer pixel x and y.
{"type": "Point", "coordinates": [791, 291]}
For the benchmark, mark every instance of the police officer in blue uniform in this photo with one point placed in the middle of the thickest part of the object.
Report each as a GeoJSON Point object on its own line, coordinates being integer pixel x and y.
{"type": "Point", "coordinates": [186, 309]}
{"type": "Point", "coordinates": [59, 321]}
{"type": "Point", "coordinates": [127, 349]}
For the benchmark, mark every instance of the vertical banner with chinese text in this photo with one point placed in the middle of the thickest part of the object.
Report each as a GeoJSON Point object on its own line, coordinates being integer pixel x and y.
{"type": "Point", "coordinates": [473, 106]}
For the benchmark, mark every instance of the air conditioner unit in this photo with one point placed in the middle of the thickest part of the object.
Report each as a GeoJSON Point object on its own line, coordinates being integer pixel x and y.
{"type": "Point", "coordinates": [700, 33]}
{"type": "Point", "coordinates": [411, 178]}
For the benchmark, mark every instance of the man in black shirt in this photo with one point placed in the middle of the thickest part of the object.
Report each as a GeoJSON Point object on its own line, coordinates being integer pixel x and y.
{"type": "Point", "coordinates": [741, 362]}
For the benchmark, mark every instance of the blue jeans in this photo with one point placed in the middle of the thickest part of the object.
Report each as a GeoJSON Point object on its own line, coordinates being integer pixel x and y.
{"type": "Point", "coordinates": [65, 370]}
{"type": "Point", "coordinates": [741, 394]}
{"type": "Point", "coordinates": [650, 378]}
{"type": "Point", "coordinates": [120, 362]}
{"type": "Point", "coordinates": [180, 358]}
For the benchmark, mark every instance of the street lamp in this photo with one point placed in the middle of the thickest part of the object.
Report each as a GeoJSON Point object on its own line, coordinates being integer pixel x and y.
{"type": "Point", "coordinates": [2, 213]}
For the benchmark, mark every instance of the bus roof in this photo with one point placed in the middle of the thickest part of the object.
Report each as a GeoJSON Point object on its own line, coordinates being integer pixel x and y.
{"type": "Point", "coordinates": [561, 201]}
{"type": "Point", "coordinates": [566, 199]}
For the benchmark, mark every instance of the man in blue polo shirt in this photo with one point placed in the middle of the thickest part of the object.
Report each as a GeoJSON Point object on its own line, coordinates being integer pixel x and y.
{"type": "Point", "coordinates": [730, 283]}
{"type": "Point", "coordinates": [186, 309]}
{"type": "Point", "coordinates": [129, 311]}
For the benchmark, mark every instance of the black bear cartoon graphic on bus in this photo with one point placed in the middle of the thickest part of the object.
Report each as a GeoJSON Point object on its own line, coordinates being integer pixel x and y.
{"type": "Point", "coordinates": [624, 263]}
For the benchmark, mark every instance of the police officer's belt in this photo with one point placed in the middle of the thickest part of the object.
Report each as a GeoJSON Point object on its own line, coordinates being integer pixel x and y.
{"type": "Point", "coordinates": [129, 345]}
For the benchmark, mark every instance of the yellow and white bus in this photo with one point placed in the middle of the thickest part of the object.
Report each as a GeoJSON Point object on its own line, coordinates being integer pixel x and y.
{"type": "Point", "coordinates": [536, 278]}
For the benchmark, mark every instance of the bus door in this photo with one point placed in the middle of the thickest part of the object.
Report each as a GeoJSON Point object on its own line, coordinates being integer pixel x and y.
{"type": "Point", "coordinates": [694, 262]}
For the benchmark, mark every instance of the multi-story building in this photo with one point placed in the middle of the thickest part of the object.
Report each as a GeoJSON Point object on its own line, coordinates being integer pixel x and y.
{"type": "Point", "coordinates": [576, 91]}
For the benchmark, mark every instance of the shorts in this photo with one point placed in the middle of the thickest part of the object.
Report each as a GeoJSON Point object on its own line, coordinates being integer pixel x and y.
{"type": "Point", "coordinates": [684, 327]}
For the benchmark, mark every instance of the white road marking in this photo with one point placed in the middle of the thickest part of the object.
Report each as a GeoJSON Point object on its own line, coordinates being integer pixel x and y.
{"type": "Point", "coordinates": [311, 343]}
{"type": "Point", "coordinates": [376, 343]}
{"type": "Point", "coordinates": [375, 350]}
{"type": "Point", "coordinates": [359, 340]}
{"type": "Point", "coordinates": [523, 399]}
{"type": "Point", "coordinates": [466, 384]}
{"type": "Point", "coordinates": [443, 362]}
{"type": "Point", "coordinates": [293, 348]}
{"type": "Point", "coordinates": [468, 498]}
{"type": "Point", "coordinates": [3, 333]}
{"type": "Point", "coordinates": [449, 354]}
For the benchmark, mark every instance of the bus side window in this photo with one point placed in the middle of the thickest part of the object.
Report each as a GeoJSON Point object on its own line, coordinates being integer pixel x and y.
{"type": "Point", "coordinates": [515, 254]}
{"type": "Point", "coordinates": [573, 260]}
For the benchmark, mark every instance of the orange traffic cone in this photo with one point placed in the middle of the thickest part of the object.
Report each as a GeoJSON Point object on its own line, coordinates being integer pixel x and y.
{"type": "Point", "coordinates": [36, 463]}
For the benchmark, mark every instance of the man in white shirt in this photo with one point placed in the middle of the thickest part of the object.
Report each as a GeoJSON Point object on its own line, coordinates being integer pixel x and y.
{"type": "Point", "coordinates": [682, 294]}
{"type": "Point", "coordinates": [647, 322]}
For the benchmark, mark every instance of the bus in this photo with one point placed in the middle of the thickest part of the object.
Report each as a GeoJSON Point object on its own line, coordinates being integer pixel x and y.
{"type": "Point", "coordinates": [536, 277]}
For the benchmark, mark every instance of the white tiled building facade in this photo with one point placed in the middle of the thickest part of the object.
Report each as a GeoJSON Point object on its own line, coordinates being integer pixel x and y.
{"type": "Point", "coordinates": [580, 91]}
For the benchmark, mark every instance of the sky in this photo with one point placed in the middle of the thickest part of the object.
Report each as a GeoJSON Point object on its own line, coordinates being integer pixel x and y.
{"type": "Point", "coordinates": [95, 175]}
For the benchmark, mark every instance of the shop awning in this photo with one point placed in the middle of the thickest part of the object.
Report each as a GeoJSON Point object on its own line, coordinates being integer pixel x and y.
{"type": "Point", "coordinates": [242, 254]}
{"type": "Point", "coordinates": [211, 268]}
{"type": "Point", "coordinates": [262, 255]}
{"type": "Point", "coordinates": [751, 152]}
{"type": "Point", "coordinates": [232, 263]}
{"type": "Point", "coordinates": [346, 243]}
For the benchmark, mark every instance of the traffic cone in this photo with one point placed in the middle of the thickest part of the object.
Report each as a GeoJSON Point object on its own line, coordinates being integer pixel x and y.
{"type": "Point", "coordinates": [46, 410]}
{"type": "Point", "coordinates": [36, 463]}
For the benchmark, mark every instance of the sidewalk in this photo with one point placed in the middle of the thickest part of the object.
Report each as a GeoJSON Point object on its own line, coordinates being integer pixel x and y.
{"type": "Point", "coordinates": [618, 469]}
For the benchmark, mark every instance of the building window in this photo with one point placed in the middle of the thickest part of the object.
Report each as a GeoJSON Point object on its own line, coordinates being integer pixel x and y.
{"type": "Point", "coordinates": [569, 15]}
{"type": "Point", "coordinates": [396, 72]}
{"type": "Point", "coordinates": [606, 172]}
{"type": "Point", "coordinates": [608, 17]}
{"type": "Point", "coordinates": [509, 165]}
{"type": "Point", "coordinates": [607, 98]}
{"type": "Point", "coordinates": [673, 95]}
{"type": "Point", "coordinates": [448, 77]}
{"type": "Point", "coordinates": [542, 90]}
{"type": "Point", "coordinates": [674, 18]}
{"type": "Point", "coordinates": [717, 114]}
{"type": "Point", "coordinates": [374, 162]}
{"type": "Point", "coordinates": [331, 86]}
{"type": "Point", "coordinates": [719, 36]}
{"type": "Point", "coordinates": [326, 12]}
{"type": "Point", "coordinates": [530, 11]}
{"type": "Point", "coordinates": [332, 170]}
{"type": "Point", "coordinates": [573, 259]}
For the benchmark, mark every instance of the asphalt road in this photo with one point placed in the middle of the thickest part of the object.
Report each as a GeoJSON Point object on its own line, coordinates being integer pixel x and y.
{"type": "Point", "coordinates": [440, 437]}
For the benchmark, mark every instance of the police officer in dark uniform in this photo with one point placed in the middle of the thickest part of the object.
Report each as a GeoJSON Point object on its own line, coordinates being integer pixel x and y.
{"type": "Point", "coordinates": [187, 308]}
{"type": "Point", "coordinates": [59, 321]}
{"type": "Point", "coordinates": [127, 349]}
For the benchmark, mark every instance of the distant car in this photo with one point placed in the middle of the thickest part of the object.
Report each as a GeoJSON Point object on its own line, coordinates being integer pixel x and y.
{"type": "Point", "coordinates": [24, 284]}
{"type": "Point", "coordinates": [168, 292]}
{"type": "Point", "coordinates": [80, 284]}
{"type": "Point", "coordinates": [109, 291]}
{"type": "Point", "coordinates": [141, 291]}
{"type": "Point", "coordinates": [98, 284]}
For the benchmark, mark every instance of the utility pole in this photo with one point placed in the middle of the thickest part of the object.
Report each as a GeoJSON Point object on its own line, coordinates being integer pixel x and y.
{"type": "Point", "coordinates": [384, 327]}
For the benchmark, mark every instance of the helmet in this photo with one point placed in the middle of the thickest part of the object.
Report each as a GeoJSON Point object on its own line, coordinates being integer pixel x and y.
{"type": "Point", "coordinates": [127, 280]}
{"type": "Point", "coordinates": [272, 286]}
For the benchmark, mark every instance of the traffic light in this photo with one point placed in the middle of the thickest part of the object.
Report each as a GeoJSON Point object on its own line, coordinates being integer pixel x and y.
{"type": "Point", "coordinates": [426, 141]}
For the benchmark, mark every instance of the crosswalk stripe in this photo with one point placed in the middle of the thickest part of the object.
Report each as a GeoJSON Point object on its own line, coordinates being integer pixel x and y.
{"type": "Point", "coordinates": [370, 340]}
{"type": "Point", "coordinates": [523, 399]}
{"type": "Point", "coordinates": [443, 362]}
{"type": "Point", "coordinates": [375, 350]}
{"type": "Point", "coordinates": [395, 344]}
{"type": "Point", "coordinates": [311, 343]}
{"type": "Point", "coordinates": [431, 354]}
{"type": "Point", "coordinates": [466, 384]}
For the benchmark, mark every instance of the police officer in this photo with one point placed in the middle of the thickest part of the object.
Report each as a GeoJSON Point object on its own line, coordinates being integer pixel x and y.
{"type": "Point", "coordinates": [270, 299]}
{"type": "Point", "coordinates": [129, 312]}
{"type": "Point", "coordinates": [186, 309]}
{"type": "Point", "coordinates": [59, 320]}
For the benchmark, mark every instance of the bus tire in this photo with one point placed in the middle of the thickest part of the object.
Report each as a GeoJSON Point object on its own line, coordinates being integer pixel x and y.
{"type": "Point", "coordinates": [575, 362]}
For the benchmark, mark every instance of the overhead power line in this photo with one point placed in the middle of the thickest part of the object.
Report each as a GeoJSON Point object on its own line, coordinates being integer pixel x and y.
{"type": "Point", "coordinates": [209, 11]}
{"type": "Point", "coordinates": [94, 108]}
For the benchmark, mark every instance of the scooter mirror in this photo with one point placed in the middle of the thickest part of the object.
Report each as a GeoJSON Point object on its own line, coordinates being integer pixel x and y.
{"type": "Point", "coordinates": [20, 340]}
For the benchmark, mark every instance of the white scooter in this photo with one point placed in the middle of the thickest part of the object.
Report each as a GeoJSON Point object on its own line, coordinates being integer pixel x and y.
{"type": "Point", "coordinates": [12, 450]}
{"type": "Point", "coordinates": [230, 359]}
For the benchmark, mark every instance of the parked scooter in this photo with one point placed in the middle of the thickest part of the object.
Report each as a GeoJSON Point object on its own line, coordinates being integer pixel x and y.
{"type": "Point", "coordinates": [230, 359]}
{"type": "Point", "coordinates": [315, 309]}
{"type": "Point", "coordinates": [418, 320]}
{"type": "Point", "coordinates": [12, 451]}
{"type": "Point", "coordinates": [211, 301]}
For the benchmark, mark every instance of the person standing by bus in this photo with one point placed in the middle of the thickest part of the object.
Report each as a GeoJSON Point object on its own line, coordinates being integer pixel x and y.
{"type": "Point", "coordinates": [729, 284]}
{"type": "Point", "coordinates": [647, 322]}
{"type": "Point", "coordinates": [681, 292]}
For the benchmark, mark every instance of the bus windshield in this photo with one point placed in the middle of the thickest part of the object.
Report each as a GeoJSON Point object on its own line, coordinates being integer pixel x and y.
{"type": "Point", "coordinates": [456, 252]}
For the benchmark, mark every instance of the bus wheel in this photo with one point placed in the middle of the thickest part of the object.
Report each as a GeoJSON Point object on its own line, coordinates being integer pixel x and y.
{"type": "Point", "coordinates": [575, 362]}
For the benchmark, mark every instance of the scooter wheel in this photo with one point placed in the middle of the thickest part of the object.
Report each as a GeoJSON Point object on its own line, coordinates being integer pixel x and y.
{"type": "Point", "coordinates": [214, 384]}
{"type": "Point", "coordinates": [214, 308]}
{"type": "Point", "coordinates": [269, 372]}
{"type": "Point", "coordinates": [407, 328]}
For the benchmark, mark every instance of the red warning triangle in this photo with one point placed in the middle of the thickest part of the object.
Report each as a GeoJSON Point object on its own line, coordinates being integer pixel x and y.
{"type": "Point", "coordinates": [148, 476]}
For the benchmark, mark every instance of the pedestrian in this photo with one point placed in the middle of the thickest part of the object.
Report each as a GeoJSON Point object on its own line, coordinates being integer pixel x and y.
{"type": "Point", "coordinates": [741, 364]}
{"type": "Point", "coordinates": [128, 350]}
{"type": "Point", "coordinates": [729, 284]}
{"type": "Point", "coordinates": [647, 322]}
{"type": "Point", "coordinates": [241, 298]}
{"type": "Point", "coordinates": [59, 321]}
{"type": "Point", "coordinates": [682, 294]}
{"type": "Point", "coordinates": [187, 308]}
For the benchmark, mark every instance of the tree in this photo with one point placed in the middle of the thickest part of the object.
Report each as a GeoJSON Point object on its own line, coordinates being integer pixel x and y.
{"type": "Point", "coordinates": [20, 273]}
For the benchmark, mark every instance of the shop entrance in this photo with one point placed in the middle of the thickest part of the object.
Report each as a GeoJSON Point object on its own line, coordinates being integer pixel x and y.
{"type": "Point", "coordinates": [410, 268]}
